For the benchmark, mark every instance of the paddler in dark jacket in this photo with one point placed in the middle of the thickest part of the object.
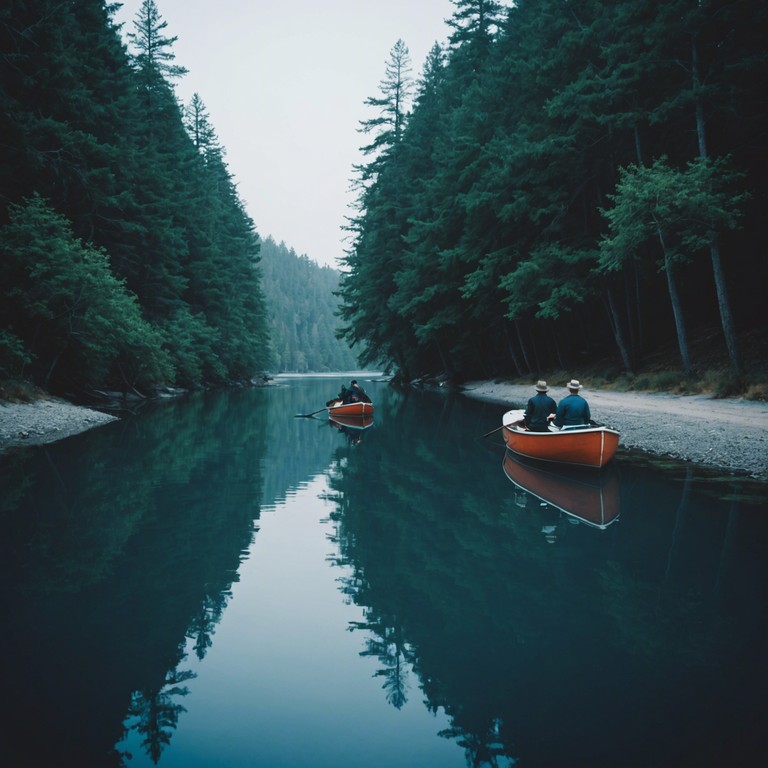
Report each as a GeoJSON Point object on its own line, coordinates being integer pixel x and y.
{"type": "Point", "coordinates": [356, 394]}
{"type": "Point", "coordinates": [541, 407]}
{"type": "Point", "coordinates": [573, 411]}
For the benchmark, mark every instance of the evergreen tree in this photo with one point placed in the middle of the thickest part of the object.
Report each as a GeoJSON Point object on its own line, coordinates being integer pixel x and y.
{"type": "Point", "coordinates": [155, 57]}
{"type": "Point", "coordinates": [682, 211]}
{"type": "Point", "coordinates": [388, 124]}
{"type": "Point", "coordinates": [374, 254]}
{"type": "Point", "coordinates": [302, 312]}
{"type": "Point", "coordinates": [69, 309]}
{"type": "Point", "coordinates": [489, 211]}
{"type": "Point", "coordinates": [99, 136]}
{"type": "Point", "coordinates": [477, 244]}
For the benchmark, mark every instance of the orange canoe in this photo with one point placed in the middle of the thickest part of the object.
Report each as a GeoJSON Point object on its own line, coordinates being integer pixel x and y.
{"type": "Point", "coordinates": [350, 409]}
{"type": "Point", "coordinates": [582, 447]}
{"type": "Point", "coordinates": [592, 497]}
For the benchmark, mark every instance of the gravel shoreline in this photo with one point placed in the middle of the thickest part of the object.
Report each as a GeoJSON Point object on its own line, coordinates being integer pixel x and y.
{"type": "Point", "coordinates": [726, 434]}
{"type": "Point", "coordinates": [45, 421]}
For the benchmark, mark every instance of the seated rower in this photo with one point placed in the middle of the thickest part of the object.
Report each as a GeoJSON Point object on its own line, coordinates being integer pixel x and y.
{"type": "Point", "coordinates": [540, 409]}
{"type": "Point", "coordinates": [573, 410]}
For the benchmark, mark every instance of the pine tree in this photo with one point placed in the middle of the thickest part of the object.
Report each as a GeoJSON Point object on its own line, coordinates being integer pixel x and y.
{"type": "Point", "coordinates": [376, 230]}
{"type": "Point", "coordinates": [75, 318]}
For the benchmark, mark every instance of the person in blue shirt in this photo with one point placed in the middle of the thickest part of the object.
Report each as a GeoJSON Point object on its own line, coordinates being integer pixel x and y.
{"type": "Point", "coordinates": [573, 410]}
{"type": "Point", "coordinates": [539, 409]}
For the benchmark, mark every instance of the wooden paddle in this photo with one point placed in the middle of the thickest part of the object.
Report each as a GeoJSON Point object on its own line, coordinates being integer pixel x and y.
{"type": "Point", "coordinates": [307, 415]}
{"type": "Point", "coordinates": [511, 424]}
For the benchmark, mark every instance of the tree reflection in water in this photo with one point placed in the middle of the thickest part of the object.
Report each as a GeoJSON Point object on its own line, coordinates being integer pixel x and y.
{"type": "Point", "coordinates": [119, 545]}
{"type": "Point", "coordinates": [119, 551]}
{"type": "Point", "coordinates": [518, 640]}
{"type": "Point", "coordinates": [155, 714]}
{"type": "Point", "coordinates": [392, 651]}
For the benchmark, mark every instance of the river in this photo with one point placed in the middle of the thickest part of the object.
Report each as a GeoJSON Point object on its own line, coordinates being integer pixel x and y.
{"type": "Point", "coordinates": [214, 581]}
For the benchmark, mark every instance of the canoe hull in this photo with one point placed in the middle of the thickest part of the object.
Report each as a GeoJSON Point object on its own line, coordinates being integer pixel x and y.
{"type": "Point", "coordinates": [590, 447]}
{"type": "Point", "coordinates": [350, 409]}
{"type": "Point", "coordinates": [591, 497]}
{"type": "Point", "coordinates": [352, 422]}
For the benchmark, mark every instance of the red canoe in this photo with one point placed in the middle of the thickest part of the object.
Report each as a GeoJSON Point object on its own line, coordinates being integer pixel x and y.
{"type": "Point", "coordinates": [592, 497]}
{"type": "Point", "coordinates": [582, 447]}
{"type": "Point", "coordinates": [351, 422]}
{"type": "Point", "coordinates": [350, 409]}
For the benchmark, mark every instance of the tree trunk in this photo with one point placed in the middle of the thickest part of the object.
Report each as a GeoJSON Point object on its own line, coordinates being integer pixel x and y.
{"type": "Point", "coordinates": [558, 353]}
{"type": "Point", "coordinates": [52, 367]}
{"type": "Point", "coordinates": [638, 147]}
{"type": "Point", "coordinates": [617, 332]}
{"type": "Point", "coordinates": [522, 347]}
{"type": "Point", "coordinates": [640, 345]}
{"type": "Point", "coordinates": [677, 310]}
{"type": "Point", "coordinates": [511, 348]}
{"type": "Point", "coordinates": [723, 302]}
{"type": "Point", "coordinates": [630, 320]}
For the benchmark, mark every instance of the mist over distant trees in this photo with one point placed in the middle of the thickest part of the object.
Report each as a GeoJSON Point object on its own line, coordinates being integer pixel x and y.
{"type": "Point", "coordinates": [302, 313]}
{"type": "Point", "coordinates": [571, 182]}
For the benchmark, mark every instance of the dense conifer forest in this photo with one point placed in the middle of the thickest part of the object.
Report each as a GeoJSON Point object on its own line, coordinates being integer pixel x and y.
{"type": "Point", "coordinates": [565, 182]}
{"type": "Point", "coordinates": [302, 306]}
{"type": "Point", "coordinates": [127, 257]}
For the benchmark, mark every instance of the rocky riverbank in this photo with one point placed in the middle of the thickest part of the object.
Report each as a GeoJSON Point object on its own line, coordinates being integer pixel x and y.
{"type": "Point", "coordinates": [729, 434]}
{"type": "Point", "coordinates": [45, 421]}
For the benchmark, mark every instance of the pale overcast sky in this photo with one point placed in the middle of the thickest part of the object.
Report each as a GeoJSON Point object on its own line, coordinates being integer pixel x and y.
{"type": "Point", "coordinates": [284, 83]}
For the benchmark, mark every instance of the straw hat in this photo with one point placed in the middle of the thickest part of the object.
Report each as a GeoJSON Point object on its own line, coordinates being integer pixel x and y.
{"type": "Point", "coordinates": [541, 386]}
{"type": "Point", "coordinates": [573, 385]}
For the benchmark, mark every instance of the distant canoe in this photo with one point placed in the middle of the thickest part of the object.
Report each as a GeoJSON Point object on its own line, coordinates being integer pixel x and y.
{"type": "Point", "coordinates": [591, 497]}
{"type": "Point", "coordinates": [582, 447]}
{"type": "Point", "coordinates": [350, 409]}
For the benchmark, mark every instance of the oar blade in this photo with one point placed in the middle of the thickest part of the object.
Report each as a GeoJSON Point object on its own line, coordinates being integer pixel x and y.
{"type": "Point", "coordinates": [307, 415]}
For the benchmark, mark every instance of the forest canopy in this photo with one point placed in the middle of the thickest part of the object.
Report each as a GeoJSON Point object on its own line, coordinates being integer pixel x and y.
{"type": "Point", "coordinates": [569, 182]}
{"type": "Point", "coordinates": [128, 259]}
{"type": "Point", "coordinates": [562, 182]}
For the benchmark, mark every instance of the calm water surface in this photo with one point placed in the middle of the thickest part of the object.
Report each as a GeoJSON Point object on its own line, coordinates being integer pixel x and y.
{"type": "Point", "coordinates": [214, 582]}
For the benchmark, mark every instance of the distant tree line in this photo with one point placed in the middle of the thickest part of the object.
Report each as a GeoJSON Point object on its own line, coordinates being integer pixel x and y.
{"type": "Point", "coordinates": [126, 255]}
{"type": "Point", "coordinates": [569, 182]}
{"type": "Point", "coordinates": [302, 312]}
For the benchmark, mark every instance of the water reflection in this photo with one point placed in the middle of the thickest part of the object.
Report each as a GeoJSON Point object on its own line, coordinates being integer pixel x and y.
{"type": "Point", "coordinates": [607, 641]}
{"type": "Point", "coordinates": [115, 555]}
{"type": "Point", "coordinates": [352, 427]}
{"type": "Point", "coordinates": [586, 496]}
{"type": "Point", "coordinates": [640, 644]}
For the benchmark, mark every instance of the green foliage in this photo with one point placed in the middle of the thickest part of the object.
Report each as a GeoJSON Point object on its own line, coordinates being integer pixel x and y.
{"type": "Point", "coordinates": [301, 296]}
{"type": "Point", "coordinates": [388, 124]}
{"type": "Point", "coordinates": [64, 302]}
{"type": "Point", "coordinates": [519, 204]}
{"type": "Point", "coordinates": [154, 49]}
{"type": "Point", "coordinates": [141, 266]}
{"type": "Point", "coordinates": [13, 354]}
{"type": "Point", "coordinates": [687, 208]}
{"type": "Point", "coordinates": [194, 345]}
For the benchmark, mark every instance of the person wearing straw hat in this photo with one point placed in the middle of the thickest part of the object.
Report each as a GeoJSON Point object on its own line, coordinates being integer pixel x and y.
{"type": "Point", "coordinates": [573, 410]}
{"type": "Point", "coordinates": [540, 409]}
